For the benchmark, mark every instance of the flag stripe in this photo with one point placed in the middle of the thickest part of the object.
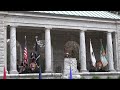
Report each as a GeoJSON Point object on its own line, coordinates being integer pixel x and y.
{"type": "Point", "coordinates": [4, 74]}
{"type": "Point", "coordinates": [103, 56]}
{"type": "Point", "coordinates": [25, 52]}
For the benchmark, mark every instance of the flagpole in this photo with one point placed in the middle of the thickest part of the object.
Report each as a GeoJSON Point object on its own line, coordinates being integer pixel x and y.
{"type": "Point", "coordinates": [103, 55]}
{"type": "Point", "coordinates": [36, 47]}
{"type": "Point", "coordinates": [25, 39]}
{"type": "Point", "coordinates": [101, 41]}
{"type": "Point", "coordinates": [93, 59]}
{"type": "Point", "coordinates": [36, 38]}
{"type": "Point", "coordinates": [70, 73]}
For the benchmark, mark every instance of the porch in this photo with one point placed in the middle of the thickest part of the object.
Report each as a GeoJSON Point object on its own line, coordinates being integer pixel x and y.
{"type": "Point", "coordinates": [55, 33]}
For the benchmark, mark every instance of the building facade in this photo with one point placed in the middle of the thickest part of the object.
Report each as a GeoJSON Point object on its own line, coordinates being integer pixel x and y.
{"type": "Point", "coordinates": [55, 30]}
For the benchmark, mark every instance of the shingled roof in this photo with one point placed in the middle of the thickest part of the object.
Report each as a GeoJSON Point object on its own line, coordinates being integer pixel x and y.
{"type": "Point", "coordinates": [94, 14]}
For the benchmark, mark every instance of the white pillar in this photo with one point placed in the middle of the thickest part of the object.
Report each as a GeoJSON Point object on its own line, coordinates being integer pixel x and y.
{"type": "Point", "coordinates": [48, 58]}
{"type": "Point", "coordinates": [13, 66]}
{"type": "Point", "coordinates": [110, 52]}
{"type": "Point", "coordinates": [115, 52]}
{"type": "Point", "coordinates": [82, 52]}
{"type": "Point", "coordinates": [5, 45]}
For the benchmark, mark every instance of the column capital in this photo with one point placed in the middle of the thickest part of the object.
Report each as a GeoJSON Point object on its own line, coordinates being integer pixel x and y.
{"type": "Point", "coordinates": [83, 29]}
{"type": "Point", "coordinates": [110, 31]}
{"type": "Point", "coordinates": [13, 26]}
{"type": "Point", "coordinates": [48, 27]}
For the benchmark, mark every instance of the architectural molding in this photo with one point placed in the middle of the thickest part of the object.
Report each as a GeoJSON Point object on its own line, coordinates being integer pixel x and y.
{"type": "Point", "coordinates": [20, 19]}
{"type": "Point", "coordinates": [60, 26]}
{"type": "Point", "coordinates": [39, 15]}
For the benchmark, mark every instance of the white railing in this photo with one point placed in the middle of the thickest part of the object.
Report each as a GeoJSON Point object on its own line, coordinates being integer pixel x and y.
{"type": "Point", "coordinates": [85, 75]}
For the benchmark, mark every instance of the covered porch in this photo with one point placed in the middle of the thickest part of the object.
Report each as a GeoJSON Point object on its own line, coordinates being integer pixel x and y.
{"type": "Point", "coordinates": [58, 40]}
{"type": "Point", "coordinates": [55, 32]}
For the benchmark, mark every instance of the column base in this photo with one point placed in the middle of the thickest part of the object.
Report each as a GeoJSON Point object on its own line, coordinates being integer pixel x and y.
{"type": "Point", "coordinates": [112, 70]}
{"type": "Point", "coordinates": [83, 70]}
{"type": "Point", "coordinates": [73, 77]}
{"type": "Point", "coordinates": [6, 72]}
{"type": "Point", "coordinates": [48, 71]}
{"type": "Point", "coordinates": [14, 72]}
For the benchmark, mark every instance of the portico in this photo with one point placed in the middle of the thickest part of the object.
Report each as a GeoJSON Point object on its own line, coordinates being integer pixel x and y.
{"type": "Point", "coordinates": [53, 30]}
{"type": "Point", "coordinates": [49, 59]}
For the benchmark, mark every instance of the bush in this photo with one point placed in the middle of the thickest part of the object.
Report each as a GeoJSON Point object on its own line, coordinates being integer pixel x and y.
{"type": "Point", "coordinates": [95, 77]}
{"type": "Point", "coordinates": [82, 78]}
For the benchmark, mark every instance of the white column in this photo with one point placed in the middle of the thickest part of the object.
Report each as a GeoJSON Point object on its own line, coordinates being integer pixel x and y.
{"type": "Point", "coordinates": [48, 58]}
{"type": "Point", "coordinates": [13, 66]}
{"type": "Point", "coordinates": [5, 45]}
{"type": "Point", "coordinates": [115, 52]}
{"type": "Point", "coordinates": [110, 52]}
{"type": "Point", "coordinates": [82, 52]}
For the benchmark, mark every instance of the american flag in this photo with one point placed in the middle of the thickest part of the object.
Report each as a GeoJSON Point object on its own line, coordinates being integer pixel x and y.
{"type": "Point", "coordinates": [25, 52]}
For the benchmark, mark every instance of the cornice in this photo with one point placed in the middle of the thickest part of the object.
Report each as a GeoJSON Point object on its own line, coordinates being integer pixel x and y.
{"type": "Point", "coordinates": [34, 15]}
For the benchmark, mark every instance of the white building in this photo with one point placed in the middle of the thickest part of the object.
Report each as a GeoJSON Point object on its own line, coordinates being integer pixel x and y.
{"type": "Point", "coordinates": [56, 29]}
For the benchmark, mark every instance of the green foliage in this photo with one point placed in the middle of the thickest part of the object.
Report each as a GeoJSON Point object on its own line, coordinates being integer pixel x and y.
{"type": "Point", "coordinates": [95, 77]}
{"type": "Point", "coordinates": [32, 77]}
{"type": "Point", "coordinates": [108, 77]}
{"type": "Point", "coordinates": [118, 77]}
{"type": "Point", "coordinates": [82, 78]}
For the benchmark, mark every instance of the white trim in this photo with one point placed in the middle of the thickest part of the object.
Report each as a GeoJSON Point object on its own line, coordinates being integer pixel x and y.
{"type": "Point", "coordinates": [34, 15]}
